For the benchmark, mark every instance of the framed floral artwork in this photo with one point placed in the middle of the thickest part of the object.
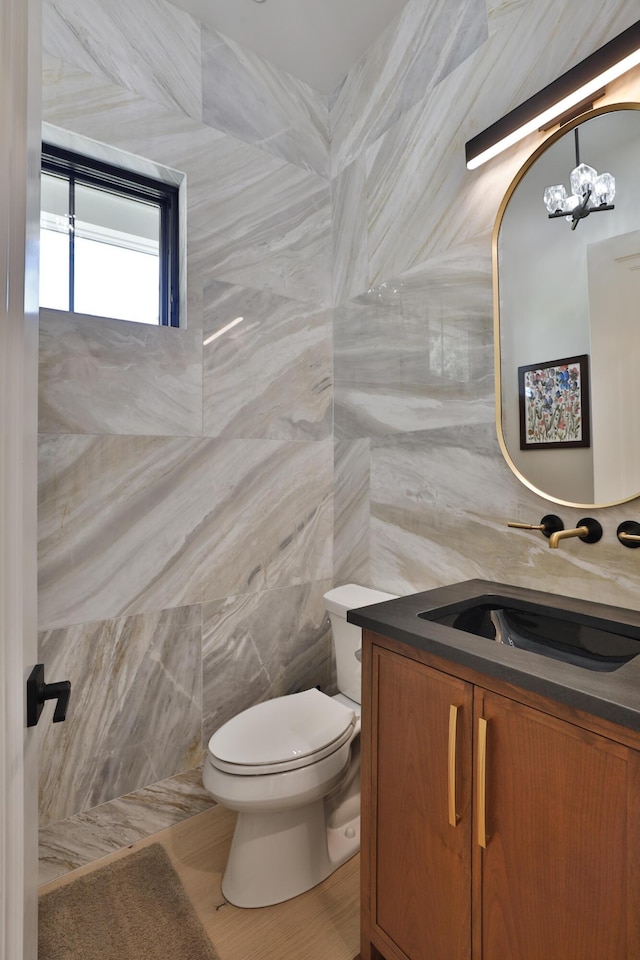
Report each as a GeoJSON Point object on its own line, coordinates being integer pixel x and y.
{"type": "Point", "coordinates": [554, 404]}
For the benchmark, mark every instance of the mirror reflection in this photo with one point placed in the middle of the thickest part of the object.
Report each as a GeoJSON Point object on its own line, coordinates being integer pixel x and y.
{"type": "Point", "coordinates": [568, 317]}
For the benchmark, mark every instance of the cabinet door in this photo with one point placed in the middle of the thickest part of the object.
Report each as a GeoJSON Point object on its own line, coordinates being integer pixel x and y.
{"type": "Point", "coordinates": [557, 867]}
{"type": "Point", "coordinates": [421, 817]}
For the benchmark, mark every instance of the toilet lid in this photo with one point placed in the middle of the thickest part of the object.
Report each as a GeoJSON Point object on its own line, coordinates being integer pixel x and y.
{"type": "Point", "coordinates": [286, 732]}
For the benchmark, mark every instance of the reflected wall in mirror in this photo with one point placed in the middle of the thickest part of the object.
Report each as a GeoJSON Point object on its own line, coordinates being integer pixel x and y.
{"type": "Point", "coordinates": [562, 292]}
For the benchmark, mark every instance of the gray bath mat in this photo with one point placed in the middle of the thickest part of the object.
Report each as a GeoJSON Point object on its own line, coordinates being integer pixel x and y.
{"type": "Point", "coordinates": [133, 909]}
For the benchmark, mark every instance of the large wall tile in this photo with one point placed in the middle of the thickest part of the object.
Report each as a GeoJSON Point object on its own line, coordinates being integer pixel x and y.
{"type": "Point", "coordinates": [350, 264]}
{"type": "Point", "coordinates": [157, 370]}
{"type": "Point", "coordinates": [135, 710]}
{"type": "Point", "coordinates": [504, 13]}
{"type": "Point", "coordinates": [366, 410]}
{"type": "Point", "coordinates": [134, 524]}
{"type": "Point", "coordinates": [264, 645]}
{"type": "Point", "coordinates": [270, 376]}
{"type": "Point", "coordinates": [150, 47]}
{"type": "Point", "coordinates": [259, 221]}
{"type": "Point", "coordinates": [440, 501]}
{"type": "Point", "coordinates": [440, 505]}
{"type": "Point", "coordinates": [421, 198]}
{"type": "Point", "coordinates": [351, 465]}
{"type": "Point", "coordinates": [431, 325]}
{"type": "Point", "coordinates": [417, 352]}
{"type": "Point", "coordinates": [421, 46]}
{"type": "Point", "coordinates": [83, 104]}
{"type": "Point", "coordinates": [252, 99]}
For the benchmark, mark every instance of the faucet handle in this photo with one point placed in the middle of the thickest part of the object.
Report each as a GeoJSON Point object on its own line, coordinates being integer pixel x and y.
{"type": "Point", "coordinates": [628, 533]}
{"type": "Point", "coordinates": [548, 525]}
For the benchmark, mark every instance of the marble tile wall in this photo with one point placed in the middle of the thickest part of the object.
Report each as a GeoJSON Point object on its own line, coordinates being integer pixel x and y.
{"type": "Point", "coordinates": [186, 490]}
{"type": "Point", "coordinates": [351, 506]}
{"type": "Point", "coordinates": [288, 398]}
{"type": "Point", "coordinates": [417, 351]}
{"type": "Point", "coordinates": [135, 710]}
{"type": "Point", "coordinates": [440, 500]}
{"type": "Point", "coordinates": [158, 375]}
{"type": "Point", "coordinates": [251, 99]}
{"type": "Point", "coordinates": [413, 339]}
{"type": "Point", "coordinates": [135, 524]}
{"type": "Point", "coordinates": [208, 485]}
{"type": "Point", "coordinates": [275, 635]}
{"type": "Point", "coordinates": [151, 48]}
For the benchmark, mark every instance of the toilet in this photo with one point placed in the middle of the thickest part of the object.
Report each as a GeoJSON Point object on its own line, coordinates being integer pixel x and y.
{"type": "Point", "coordinates": [291, 768]}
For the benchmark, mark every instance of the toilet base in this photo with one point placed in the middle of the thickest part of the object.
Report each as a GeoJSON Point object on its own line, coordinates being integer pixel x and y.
{"type": "Point", "coordinates": [277, 856]}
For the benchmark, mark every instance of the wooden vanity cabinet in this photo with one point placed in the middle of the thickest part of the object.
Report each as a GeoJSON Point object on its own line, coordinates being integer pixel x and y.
{"type": "Point", "coordinates": [555, 799]}
{"type": "Point", "coordinates": [416, 849]}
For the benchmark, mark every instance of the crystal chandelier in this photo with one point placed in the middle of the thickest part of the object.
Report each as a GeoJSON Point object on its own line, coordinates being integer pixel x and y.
{"type": "Point", "coordinates": [590, 193]}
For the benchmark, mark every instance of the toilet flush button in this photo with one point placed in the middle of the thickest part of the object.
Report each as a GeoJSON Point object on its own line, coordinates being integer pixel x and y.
{"type": "Point", "coordinates": [350, 833]}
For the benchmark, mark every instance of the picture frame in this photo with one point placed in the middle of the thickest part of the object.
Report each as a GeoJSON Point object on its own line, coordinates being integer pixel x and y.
{"type": "Point", "coordinates": [554, 404]}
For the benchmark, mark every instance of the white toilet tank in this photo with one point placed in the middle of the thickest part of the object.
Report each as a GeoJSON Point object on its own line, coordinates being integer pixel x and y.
{"type": "Point", "coordinates": [347, 638]}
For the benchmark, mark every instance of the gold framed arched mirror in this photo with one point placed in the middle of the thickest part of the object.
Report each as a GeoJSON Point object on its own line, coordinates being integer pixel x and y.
{"type": "Point", "coordinates": [567, 319]}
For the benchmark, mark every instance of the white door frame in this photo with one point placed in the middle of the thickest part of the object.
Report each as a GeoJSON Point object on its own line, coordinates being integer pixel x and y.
{"type": "Point", "coordinates": [20, 81]}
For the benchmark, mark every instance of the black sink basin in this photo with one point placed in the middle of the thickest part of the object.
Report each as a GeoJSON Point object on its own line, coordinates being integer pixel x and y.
{"type": "Point", "coordinates": [562, 635]}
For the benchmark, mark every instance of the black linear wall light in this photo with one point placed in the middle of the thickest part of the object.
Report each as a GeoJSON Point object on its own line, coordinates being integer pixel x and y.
{"type": "Point", "coordinates": [577, 87]}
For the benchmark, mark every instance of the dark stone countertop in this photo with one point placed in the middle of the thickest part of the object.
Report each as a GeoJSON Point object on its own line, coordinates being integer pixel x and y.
{"type": "Point", "coordinates": [613, 695]}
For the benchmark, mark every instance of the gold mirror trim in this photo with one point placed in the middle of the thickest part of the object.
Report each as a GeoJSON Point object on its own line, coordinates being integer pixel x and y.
{"type": "Point", "coordinates": [607, 108]}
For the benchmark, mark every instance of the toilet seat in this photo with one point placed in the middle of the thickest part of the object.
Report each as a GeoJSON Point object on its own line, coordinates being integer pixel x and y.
{"type": "Point", "coordinates": [282, 734]}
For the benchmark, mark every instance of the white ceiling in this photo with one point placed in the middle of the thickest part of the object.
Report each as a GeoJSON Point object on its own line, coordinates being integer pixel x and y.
{"type": "Point", "coordinates": [317, 41]}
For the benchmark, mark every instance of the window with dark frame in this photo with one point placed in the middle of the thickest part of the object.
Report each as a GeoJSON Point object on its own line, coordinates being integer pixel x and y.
{"type": "Point", "coordinates": [109, 242]}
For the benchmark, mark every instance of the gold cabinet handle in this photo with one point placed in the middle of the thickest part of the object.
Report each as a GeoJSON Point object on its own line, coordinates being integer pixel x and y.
{"type": "Point", "coordinates": [481, 797]}
{"type": "Point", "coordinates": [453, 739]}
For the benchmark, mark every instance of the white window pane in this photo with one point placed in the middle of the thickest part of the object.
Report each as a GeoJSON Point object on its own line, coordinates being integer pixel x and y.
{"type": "Point", "coordinates": [54, 197]}
{"type": "Point", "coordinates": [54, 242]}
{"type": "Point", "coordinates": [116, 256]}
{"type": "Point", "coordinates": [125, 221]}
{"type": "Point", "coordinates": [112, 281]}
{"type": "Point", "coordinates": [54, 269]}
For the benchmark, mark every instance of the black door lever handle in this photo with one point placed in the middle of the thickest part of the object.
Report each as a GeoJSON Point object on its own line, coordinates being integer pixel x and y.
{"type": "Point", "coordinates": [38, 692]}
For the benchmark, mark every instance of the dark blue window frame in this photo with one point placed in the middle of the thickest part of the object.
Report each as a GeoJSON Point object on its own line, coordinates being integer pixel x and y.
{"type": "Point", "coordinates": [77, 168]}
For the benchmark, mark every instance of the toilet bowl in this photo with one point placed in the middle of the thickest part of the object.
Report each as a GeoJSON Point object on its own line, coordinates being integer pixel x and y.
{"type": "Point", "coordinates": [291, 768]}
